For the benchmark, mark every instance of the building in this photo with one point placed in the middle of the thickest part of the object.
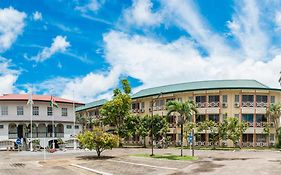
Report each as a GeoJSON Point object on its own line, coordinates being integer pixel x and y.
{"type": "Point", "coordinates": [215, 100]}
{"type": "Point", "coordinates": [15, 118]}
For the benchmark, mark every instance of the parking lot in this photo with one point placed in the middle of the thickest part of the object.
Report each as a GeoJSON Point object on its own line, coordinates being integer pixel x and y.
{"type": "Point", "coordinates": [120, 161]}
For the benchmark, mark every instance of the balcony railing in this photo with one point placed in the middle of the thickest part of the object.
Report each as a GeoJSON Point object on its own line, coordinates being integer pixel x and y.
{"type": "Point", "coordinates": [201, 105]}
{"type": "Point", "coordinates": [13, 135]}
{"type": "Point", "coordinates": [247, 144]}
{"type": "Point", "coordinates": [213, 104]}
{"type": "Point", "coordinates": [172, 125]}
{"type": "Point", "coordinates": [247, 104]}
{"type": "Point", "coordinates": [261, 104]}
{"type": "Point", "coordinates": [138, 110]}
{"type": "Point", "coordinates": [200, 143]}
{"type": "Point", "coordinates": [250, 124]}
{"type": "Point", "coordinates": [261, 144]}
{"type": "Point", "coordinates": [261, 124]}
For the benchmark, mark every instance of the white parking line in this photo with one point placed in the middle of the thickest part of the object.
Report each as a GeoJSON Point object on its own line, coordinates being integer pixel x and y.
{"type": "Point", "coordinates": [89, 169]}
{"type": "Point", "coordinates": [146, 165]}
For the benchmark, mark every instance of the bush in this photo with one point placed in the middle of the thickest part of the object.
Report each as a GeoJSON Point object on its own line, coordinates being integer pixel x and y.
{"type": "Point", "coordinates": [98, 140]}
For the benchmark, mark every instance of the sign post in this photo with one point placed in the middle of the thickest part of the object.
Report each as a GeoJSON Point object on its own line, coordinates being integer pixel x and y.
{"type": "Point", "coordinates": [190, 138]}
{"type": "Point", "coordinates": [18, 142]}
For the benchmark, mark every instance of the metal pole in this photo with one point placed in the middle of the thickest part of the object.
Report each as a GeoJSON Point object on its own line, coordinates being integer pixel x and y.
{"type": "Point", "coordinates": [31, 144]}
{"type": "Point", "coordinates": [152, 154]}
{"type": "Point", "coordinates": [192, 142]}
{"type": "Point", "coordinates": [53, 123]}
{"type": "Point", "coordinates": [74, 132]}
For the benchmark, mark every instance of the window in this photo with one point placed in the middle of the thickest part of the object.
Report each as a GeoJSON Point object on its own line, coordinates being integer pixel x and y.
{"type": "Point", "coordinates": [68, 126]}
{"type": "Point", "coordinates": [247, 98]}
{"type": "Point", "coordinates": [200, 99]}
{"type": "Point", "coordinates": [135, 105]}
{"type": "Point", "coordinates": [262, 98]}
{"type": "Point", "coordinates": [190, 98]}
{"type": "Point", "coordinates": [35, 110]}
{"type": "Point", "coordinates": [200, 118]}
{"type": "Point", "coordinates": [248, 118]}
{"type": "Point", "coordinates": [272, 99]}
{"type": "Point", "coordinates": [224, 98]}
{"type": "Point", "coordinates": [214, 98]}
{"type": "Point", "coordinates": [180, 99]}
{"type": "Point", "coordinates": [214, 117]}
{"type": "Point", "coordinates": [4, 110]}
{"type": "Point", "coordinates": [142, 105]}
{"type": "Point", "coordinates": [236, 115]}
{"type": "Point", "coordinates": [63, 111]}
{"type": "Point", "coordinates": [1, 126]}
{"type": "Point", "coordinates": [76, 126]}
{"type": "Point", "coordinates": [261, 118]}
{"type": "Point", "coordinates": [224, 116]}
{"type": "Point", "coordinates": [237, 99]}
{"type": "Point", "coordinates": [49, 111]}
{"type": "Point", "coordinates": [19, 110]}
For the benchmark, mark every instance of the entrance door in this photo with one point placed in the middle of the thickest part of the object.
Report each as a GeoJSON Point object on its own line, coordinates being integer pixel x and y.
{"type": "Point", "coordinates": [20, 131]}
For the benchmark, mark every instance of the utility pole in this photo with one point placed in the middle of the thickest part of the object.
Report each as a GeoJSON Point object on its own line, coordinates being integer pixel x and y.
{"type": "Point", "coordinates": [192, 142]}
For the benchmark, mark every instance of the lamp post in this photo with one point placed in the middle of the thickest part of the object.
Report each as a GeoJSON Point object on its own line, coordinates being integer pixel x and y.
{"type": "Point", "coordinates": [152, 128]}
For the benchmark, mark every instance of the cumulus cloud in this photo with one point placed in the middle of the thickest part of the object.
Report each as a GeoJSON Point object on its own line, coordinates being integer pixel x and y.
{"type": "Point", "coordinates": [85, 88]}
{"type": "Point", "coordinates": [141, 14]}
{"type": "Point", "coordinates": [8, 76]}
{"type": "Point", "coordinates": [59, 45]}
{"type": "Point", "coordinates": [37, 16]}
{"type": "Point", "coordinates": [11, 26]}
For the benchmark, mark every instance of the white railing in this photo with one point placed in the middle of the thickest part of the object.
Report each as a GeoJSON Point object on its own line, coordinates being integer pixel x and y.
{"type": "Point", "coordinates": [247, 104]}
{"type": "Point", "coordinates": [247, 144]}
{"type": "Point", "coordinates": [213, 104]}
{"type": "Point", "coordinates": [262, 144]}
{"type": "Point", "coordinates": [13, 135]}
{"type": "Point", "coordinates": [201, 105]}
{"type": "Point", "coordinates": [200, 143]}
{"type": "Point", "coordinates": [261, 104]}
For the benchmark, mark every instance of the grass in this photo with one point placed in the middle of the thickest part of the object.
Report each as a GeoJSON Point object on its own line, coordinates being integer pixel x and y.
{"type": "Point", "coordinates": [166, 156]}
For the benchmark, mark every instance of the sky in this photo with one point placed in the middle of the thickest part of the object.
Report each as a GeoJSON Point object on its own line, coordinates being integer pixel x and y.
{"type": "Point", "coordinates": [81, 49]}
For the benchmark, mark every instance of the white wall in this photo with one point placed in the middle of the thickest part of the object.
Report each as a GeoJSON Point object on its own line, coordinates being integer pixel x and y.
{"type": "Point", "coordinates": [12, 112]}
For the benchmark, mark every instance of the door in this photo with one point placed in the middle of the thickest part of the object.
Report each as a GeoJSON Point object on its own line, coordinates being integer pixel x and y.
{"type": "Point", "coordinates": [20, 131]}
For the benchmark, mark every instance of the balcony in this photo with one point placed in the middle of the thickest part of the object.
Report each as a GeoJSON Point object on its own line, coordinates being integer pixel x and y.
{"type": "Point", "coordinates": [261, 144]}
{"type": "Point", "coordinates": [250, 124]}
{"type": "Point", "coordinates": [261, 124]}
{"type": "Point", "coordinates": [200, 143]}
{"type": "Point", "coordinates": [13, 135]}
{"type": "Point", "coordinates": [172, 125]}
{"type": "Point", "coordinates": [247, 144]}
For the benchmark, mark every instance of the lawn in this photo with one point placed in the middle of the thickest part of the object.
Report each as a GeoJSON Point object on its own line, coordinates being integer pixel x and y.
{"type": "Point", "coordinates": [166, 156]}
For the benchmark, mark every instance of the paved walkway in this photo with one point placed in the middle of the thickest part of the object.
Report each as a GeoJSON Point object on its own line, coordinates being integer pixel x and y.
{"type": "Point", "coordinates": [118, 162]}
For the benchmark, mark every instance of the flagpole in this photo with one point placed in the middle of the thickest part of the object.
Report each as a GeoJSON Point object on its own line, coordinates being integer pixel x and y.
{"type": "Point", "coordinates": [31, 128]}
{"type": "Point", "coordinates": [74, 129]}
{"type": "Point", "coordinates": [53, 124]}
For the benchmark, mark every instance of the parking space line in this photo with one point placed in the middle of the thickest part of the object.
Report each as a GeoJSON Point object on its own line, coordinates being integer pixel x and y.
{"type": "Point", "coordinates": [146, 165]}
{"type": "Point", "coordinates": [89, 169]}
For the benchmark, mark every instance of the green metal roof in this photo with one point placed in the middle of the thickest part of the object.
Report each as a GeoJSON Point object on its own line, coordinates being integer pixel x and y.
{"type": "Point", "coordinates": [202, 85]}
{"type": "Point", "coordinates": [91, 105]}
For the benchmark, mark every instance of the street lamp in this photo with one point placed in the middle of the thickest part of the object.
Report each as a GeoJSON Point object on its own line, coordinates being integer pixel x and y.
{"type": "Point", "coordinates": [152, 128]}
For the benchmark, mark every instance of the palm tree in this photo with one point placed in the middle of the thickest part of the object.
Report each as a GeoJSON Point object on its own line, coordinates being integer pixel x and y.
{"type": "Point", "coordinates": [185, 110]}
{"type": "Point", "coordinates": [274, 112]}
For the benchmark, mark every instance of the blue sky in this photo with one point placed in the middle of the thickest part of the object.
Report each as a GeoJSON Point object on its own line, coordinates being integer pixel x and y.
{"type": "Point", "coordinates": [62, 47]}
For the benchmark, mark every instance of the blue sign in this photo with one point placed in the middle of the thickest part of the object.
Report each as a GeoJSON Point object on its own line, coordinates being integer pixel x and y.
{"type": "Point", "coordinates": [190, 138]}
{"type": "Point", "coordinates": [18, 141]}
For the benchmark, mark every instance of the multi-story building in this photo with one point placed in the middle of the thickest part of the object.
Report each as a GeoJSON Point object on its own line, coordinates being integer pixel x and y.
{"type": "Point", "coordinates": [15, 118]}
{"type": "Point", "coordinates": [215, 100]}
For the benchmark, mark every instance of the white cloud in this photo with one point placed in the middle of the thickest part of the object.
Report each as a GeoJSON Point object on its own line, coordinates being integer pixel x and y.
{"type": "Point", "coordinates": [278, 20]}
{"type": "Point", "coordinates": [8, 76]}
{"type": "Point", "coordinates": [86, 88]}
{"type": "Point", "coordinates": [37, 16]}
{"type": "Point", "coordinates": [141, 14]}
{"type": "Point", "coordinates": [11, 26]}
{"type": "Point", "coordinates": [60, 44]}
{"type": "Point", "coordinates": [92, 5]}
{"type": "Point", "coordinates": [246, 28]}
{"type": "Point", "coordinates": [155, 63]}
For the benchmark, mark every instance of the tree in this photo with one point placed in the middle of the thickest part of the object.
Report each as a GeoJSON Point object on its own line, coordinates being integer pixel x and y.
{"type": "Point", "coordinates": [235, 129]}
{"type": "Point", "coordinates": [160, 126]}
{"type": "Point", "coordinates": [274, 112]}
{"type": "Point", "coordinates": [144, 127]}
{"type": "Point", "coordinates": [116, 110]}
{"type": "Point", "coordinates": [98, 140]}
{"type": "Point", "coordinates": [185, 110]}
